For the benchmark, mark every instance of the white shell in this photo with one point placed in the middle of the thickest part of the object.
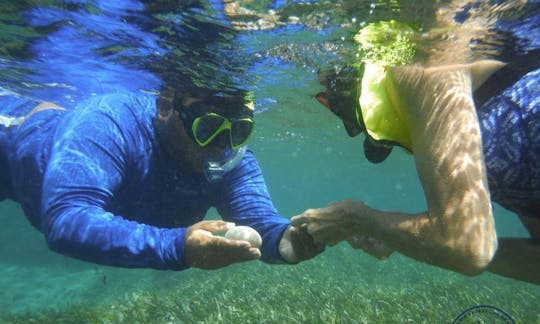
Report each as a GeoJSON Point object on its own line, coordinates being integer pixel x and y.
{"type": "Point", "coordinates": [245, 233]}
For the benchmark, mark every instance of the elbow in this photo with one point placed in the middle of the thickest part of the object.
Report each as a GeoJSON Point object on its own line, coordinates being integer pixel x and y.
{"type": "Point", "coordinates": [474, 266]}
{"type": "Point", "coordinates": [54, 228]}
{"type": "Point", "coordinates": [53, 238]}
{"type": "Point", "coordinates": [475, 256]}
{"type": "Point", "coordinates": [470, 239]}
{"type": "Point", "coordinates": [468, 251]}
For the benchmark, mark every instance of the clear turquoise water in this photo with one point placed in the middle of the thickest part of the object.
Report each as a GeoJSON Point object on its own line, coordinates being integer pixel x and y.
{"type": "Point", "coordinates": [308, 161]}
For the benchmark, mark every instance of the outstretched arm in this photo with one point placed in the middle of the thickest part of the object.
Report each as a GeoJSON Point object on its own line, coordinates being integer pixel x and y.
{"type": "Point", "coordinates": [245, 200]}
{"type": "Point", "coordinates": [457, 232]}
{"type": "Point", "coordinates": [95, 151]}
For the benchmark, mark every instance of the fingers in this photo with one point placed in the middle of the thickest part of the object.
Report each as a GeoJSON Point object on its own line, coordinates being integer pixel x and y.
{"type": "Point", "coordinates": [356, 241]}
{"type": "Point", "coordinates": [227, 245]}
{"type": "Point", "coordinates": [370, 246]}
{"type": "Point", "coordinates": [328, 237]}
{"type": "Point", "coordinates": [213, 226]}
{"type": "Point", "coordinates": [299, 220]}
{"type": "Point", "coordinates": [335, 222]}
{"type": "Point", "coordinates": [309, 216]}
{"type": "Point", "coordinates": [241, 254]}
{"type": "Point", "coordinates": [226, 252]}
{"type": "Point", "coordinates": [324, 214]}
{"type": "Point", "coordinates": [324, 231]}
{"type": "Point", "coordinates": [304, 218]}
{"type": "Point", "coordinates": [205, 251]}
{"type": "Point", "coordinates": [305, 247]}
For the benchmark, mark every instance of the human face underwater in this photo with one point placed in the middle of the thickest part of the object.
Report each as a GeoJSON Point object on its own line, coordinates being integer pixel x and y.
{"type": "Point", "coordinates": [222, 139]}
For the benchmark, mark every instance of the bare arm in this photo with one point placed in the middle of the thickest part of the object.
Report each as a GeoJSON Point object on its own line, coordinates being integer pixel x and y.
{"type": "Point", "coordinates": [457, 232]}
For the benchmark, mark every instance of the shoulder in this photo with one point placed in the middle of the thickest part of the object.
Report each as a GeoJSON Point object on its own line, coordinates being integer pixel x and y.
{"type": "Point", "coordinates": [247, 171]}
{"type": "Point", "coordinates": [120, 111]}
{"type": "Point", "coordinates": [119, 104]}
{"type": "Point", "coordinates": [249, 160]}
{"type": "Point", "coordinates": [121, 119]}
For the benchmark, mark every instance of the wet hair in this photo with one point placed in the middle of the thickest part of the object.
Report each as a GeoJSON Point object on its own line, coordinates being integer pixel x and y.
{"type": "Point", "coordinates": [197, 101]}
{"type": "Point", "coordinates": [341, 95]}
{"type": "Point", "coordinates": [342, 90]}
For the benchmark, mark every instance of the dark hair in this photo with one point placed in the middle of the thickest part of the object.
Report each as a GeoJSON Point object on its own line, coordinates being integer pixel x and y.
{"type": "Point", "coordinates": [341, 94]}
{"type": "Point", "coordinates": [231, 103]}
{"type": "Point", "coordinates": [342, 90]}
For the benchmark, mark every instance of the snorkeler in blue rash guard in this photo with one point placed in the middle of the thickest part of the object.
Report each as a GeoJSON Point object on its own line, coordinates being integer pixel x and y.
{"type": "Point", "coordinates": [126, 180]}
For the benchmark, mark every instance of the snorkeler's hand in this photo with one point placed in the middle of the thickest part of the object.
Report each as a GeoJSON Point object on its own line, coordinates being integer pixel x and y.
{"type": "Point", "coordinates": [297, 245]}
{"type": "Point", "coordinates": [333, 223]}
{"type": "Point", "coordinates": [371, 246]}
{"type": "Point", "coordinates": [205, 250]}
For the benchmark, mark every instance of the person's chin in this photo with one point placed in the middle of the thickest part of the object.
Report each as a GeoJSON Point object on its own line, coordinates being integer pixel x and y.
{"type": "Point", "coordinates": [196, 167]}
{"type": "Point", "coordinates": [190, 165]}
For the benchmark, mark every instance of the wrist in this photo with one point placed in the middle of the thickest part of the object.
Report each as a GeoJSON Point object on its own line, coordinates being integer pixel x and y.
{"type": "Point", "coordinates": [285, 247]}
{"type": "Point", "coordinates": [357, 218]}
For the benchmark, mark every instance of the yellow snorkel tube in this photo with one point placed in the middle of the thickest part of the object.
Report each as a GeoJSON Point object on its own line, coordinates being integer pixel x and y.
{"type": "Point", "coordinates": [383, 45]}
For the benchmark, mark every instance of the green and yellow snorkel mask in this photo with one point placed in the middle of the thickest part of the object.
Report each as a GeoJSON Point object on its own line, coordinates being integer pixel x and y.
{"type": "Point", "coordinates": [223, 121]}
{"type": "Point", "coordinates": [207, 127]}
{"type": "Point", "coordinates": [208, 118]}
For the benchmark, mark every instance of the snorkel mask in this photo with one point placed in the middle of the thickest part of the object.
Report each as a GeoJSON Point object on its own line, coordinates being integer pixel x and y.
{"type": "Point", "coordinates": [341, 98]}
{"type": "Point", "coordinates": [220, 122]}
{"type": "Point", "coordinates": [358, 93]}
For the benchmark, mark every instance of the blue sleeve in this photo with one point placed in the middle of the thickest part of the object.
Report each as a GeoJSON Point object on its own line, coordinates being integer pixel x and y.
{"type": "Point", "coordinates": [246, 201]}
{"type": "Point", "coordinates": [95, 150]}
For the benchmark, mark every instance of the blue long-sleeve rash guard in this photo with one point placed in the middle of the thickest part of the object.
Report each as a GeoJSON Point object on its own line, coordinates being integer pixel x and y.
{"type": "Point", "coordinates": [95, 181]}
